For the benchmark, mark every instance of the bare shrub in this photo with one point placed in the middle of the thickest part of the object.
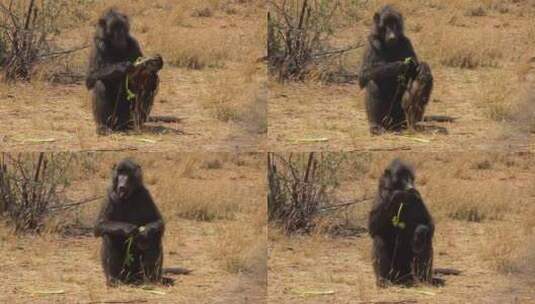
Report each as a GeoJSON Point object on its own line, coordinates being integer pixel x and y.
{"type": "Point", "coordinates": [30, 186]}
{"type": "Point", "coordinates": [298, 35]}
{"type": "Point", "coordinates": [300, 185]}
{"type": "Point", "coordinates": [25, 31]}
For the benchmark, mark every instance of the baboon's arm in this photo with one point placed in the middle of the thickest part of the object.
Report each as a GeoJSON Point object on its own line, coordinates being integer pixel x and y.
{"type": "Point", "coordinates": [107, 72]}
{"type": "Point", "coordinates": [379, 71]}
{"type": "Point", "coordinates": [114, 228]}
{"type": "Point", "coordinates": [105, 224]}
{"type": "Point", "coordinates": [155, 227]}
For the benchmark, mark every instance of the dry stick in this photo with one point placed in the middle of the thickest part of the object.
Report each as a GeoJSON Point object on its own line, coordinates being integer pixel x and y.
{"type": "Point", "coordinates": [309, 165]}
{"type": "Point", "coordinates": [110, 149]}
{"type": "Point", "coordinates": [389, 302]}
{"type": "Point", "coordinates": [82, 202]}
{"type": "Point", "coordinates": [64, 52]}
{"type": "Point", "coordinates": [118, 301]}
{"type": "Point", "coordinates": [302, 15]}
{"type": "Point", "coordinates": [346, 204]}
{"type": "Point", "coordinates": [339, 51]}
{"type": "Point", "coordinates": [28, 16]}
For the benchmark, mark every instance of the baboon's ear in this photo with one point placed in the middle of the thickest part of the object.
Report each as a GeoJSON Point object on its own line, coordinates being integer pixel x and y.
{"type": "Point", "coordinates": [376, 18]}
{"type": "Point", "coordinates": [138, 173]}
{"type": "Point", "coordinates": [102, 23]}
{"type": "Point", "coordinates": [126, 21]}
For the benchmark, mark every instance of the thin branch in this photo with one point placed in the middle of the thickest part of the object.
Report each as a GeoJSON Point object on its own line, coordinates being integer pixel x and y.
{"type": "Point", "coordinates": [82, 202]}
{"type": "Point", "coordinates": [63, 52]}
{"type": "Point", "coordinates": [118, 301]}
{"type": "Point", "coordinates": [343, 205]}
{"type": "Point", "coordinates": [338, 51]}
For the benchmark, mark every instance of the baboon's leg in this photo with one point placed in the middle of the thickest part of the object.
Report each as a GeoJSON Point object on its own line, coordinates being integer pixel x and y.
{"type": "Point", "coordinates": [152, 261]}
{"type": "Point", "coordinates": [112, 261]}
{"type": "Point", "coordinates": [382, 262]}
{"type": "Point", "coordinates": [102, 108]}
{"type": "Point", "coordinates": [417, 95]}
{"type": "Point", "coordinates": [422, 90]}
{"type": "Point", "coordinates": [423, 268]}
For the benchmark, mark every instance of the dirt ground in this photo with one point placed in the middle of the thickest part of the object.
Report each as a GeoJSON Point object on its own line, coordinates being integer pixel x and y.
{"type": "Point", "coordinates": [483, 100]}
{"type": "Point", "coordinates": [227, 254]}
{"type": "Point", "coordinates": [493, 254]}
{"type": "Point", "coordinates": [210, 81]}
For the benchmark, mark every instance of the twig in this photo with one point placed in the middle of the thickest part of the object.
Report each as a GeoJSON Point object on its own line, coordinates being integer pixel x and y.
{"type": "Point", "coordinates": [389, 302]}
{"type": "Point", "coordinates": [346, 204]}
{"type": "Point", "coordinates": [338, 51]}
{"type": "Point", "coordinates": [29, 15]}
{"type": "Point", "coordinates": [110, 149]}
{"type": "Point", "coordinates": [63, 52]}
{"type": "Point", "coordinates": [118, 301]}
{"type": "Point", "coordinates": [82, 202]}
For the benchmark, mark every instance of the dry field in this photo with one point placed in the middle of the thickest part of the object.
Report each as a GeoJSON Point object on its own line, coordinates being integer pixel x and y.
{"type": "Point", "coordinates": [481, 54]}
{"type": "Point", "coordinates": [211, 81]}
{"type": "Point", "coordinates": [483, 210]}
{"type": "Point", "coordinates": [214, 207]}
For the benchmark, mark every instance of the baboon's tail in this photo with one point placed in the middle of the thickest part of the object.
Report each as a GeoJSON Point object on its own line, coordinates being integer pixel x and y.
{"type": "Point", "coordinates": [176, 270]}
{"type": "Point", "coordinates": [440, 118]}
{"type": "Point", "coordinates": [166, 119]}
{"type": "Point", "coordinates": [447, 271]}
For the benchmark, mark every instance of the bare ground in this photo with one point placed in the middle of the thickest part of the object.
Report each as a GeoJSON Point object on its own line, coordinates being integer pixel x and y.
{"type": "Point", "coordinates": [492, 254]}
{"type": "Point", "coordinates": [226, 254]}
{"type": "Point", "coordinates": [482, 100]}
{"type": "Point", "coordinates": [211, 81]}
{"type": "Point", "coordinates": [46, 117]}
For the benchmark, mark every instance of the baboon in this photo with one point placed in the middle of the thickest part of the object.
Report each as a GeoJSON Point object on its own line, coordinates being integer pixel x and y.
{"type": "Point", "coordinates": [131, 228]}
{"type": "Point", "coordinates": [112, 59]}
{"type": "Point", "coordinates": [402, 229]}
{"type": "Point", "coordinates": [416, 96]}
{"type": "Point", "coordinates": [388, 68]}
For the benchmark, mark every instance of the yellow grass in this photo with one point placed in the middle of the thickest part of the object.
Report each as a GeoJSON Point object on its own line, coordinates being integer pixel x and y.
{"type": "Point", "coordinates": [492, 252]}
{"type": "Point", "coordinates": [227, 254]}
{"type": "Point", "coordinates": [198, 52]}
{"type": "Point", "coordinates": [474, 60]}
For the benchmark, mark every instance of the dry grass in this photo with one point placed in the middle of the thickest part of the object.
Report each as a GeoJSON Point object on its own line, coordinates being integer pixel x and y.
{"type": "Point", "coordinates": [227, 254]}
{"type": "Point", "coordinates": [198, 51]}
{"type": "Point", "coordinates": [474, 61]}
{"type": "Point", "coordinates": [197, 202]}
{"type": "Point", "coordinates": [492, 252]}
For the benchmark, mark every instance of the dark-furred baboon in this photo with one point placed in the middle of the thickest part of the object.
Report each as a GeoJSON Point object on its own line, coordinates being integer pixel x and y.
{"type": "Point", "coordinates": [402, 229]}
{"type": "Point", "coordinates": [388, 68]}
{"type": "Point", "coordinates": [112, 59]}
{"type": "Point", "coordinates": [131, 228]}
{"type": "Point", "coordinates": [416, 96]}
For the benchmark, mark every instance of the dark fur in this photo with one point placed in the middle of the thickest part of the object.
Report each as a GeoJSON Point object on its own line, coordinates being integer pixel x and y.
{"type": "Point", "coordinates": [401, 255]}
{"type": "Point", "coordinates": [129, 206]}
{"type": "Point", "coordinates": [111, 59]}
{"type": "Point", "coordinates": [417, 94]}
{"type": "Point", "coordinates": [382, 65]}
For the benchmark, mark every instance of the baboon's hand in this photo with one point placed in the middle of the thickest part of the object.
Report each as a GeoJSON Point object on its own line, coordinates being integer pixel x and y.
{"type": "Point", "coordinates": [411, 67]}
{"type": "Point", "coordinates": [125, 67]}
{"type": "Point", "coordinates": [159, 59]}
{"type": "Point", "coordinates": [129, 229]}
{"type": "Point", "coordinates": [402, 196]}
{"type": "Point", "coordinates": [142, 232]}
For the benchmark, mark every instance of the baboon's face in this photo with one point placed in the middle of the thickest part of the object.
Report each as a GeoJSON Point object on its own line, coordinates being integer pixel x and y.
{"type": "Point", "coordinates": [389, 26]}
{"type": "Point", "coordinates": [398, 176]}
{"type": "Point", "coordinates": [115, 28]}
{"type": "Point", "coordinates": [127, 179]}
